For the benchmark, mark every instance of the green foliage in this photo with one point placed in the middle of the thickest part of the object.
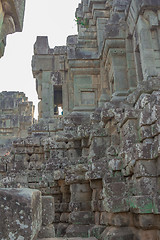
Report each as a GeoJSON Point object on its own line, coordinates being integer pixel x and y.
{"type": "Point", "coordinates": [83, 22]}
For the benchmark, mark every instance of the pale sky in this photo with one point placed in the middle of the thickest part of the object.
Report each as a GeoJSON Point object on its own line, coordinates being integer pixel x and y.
{"type": "Point", "coordinates": [52, 18]}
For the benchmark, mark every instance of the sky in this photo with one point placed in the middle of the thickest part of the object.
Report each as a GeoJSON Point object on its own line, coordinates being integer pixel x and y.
{"type": "Point", "coordinates": [52, 18]}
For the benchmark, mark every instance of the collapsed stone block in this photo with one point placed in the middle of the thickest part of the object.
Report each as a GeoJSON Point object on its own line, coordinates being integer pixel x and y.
{"type": "Point", "coordinates": [21, 213]}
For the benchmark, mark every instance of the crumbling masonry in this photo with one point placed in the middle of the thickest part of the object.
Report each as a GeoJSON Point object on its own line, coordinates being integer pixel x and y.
{"type": "Point", "coordinates": [97, 166]}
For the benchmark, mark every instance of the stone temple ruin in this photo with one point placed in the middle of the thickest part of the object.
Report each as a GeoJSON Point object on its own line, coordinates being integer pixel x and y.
{"type": "Point", "coordinates": [90, 167]}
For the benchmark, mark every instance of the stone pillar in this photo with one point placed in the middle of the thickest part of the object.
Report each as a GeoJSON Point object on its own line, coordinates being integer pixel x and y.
{"type": "Point", "coordinates": [117, 71]}
{"type": "Point", "coordinates": [42, 66]}
{"type": "Point", "coordinates": [131, 71]}
{"type": "Point", "coordinates": [47, 95]}
{"type": "Point", "coordinates": [146, 48]}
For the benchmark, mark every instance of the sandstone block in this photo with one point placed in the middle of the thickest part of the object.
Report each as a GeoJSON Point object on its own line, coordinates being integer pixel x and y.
{"type": "Point", "coordinates": [156, 204]}
{"type": "Point", "coordinates": [118, 189]}
{"type": "Point", "coordinates": [96, 231]}
{"type": "Point", "coordinates": [57, 217]}
{"type": "Point", "coordinates": [96, 194]}
{"type": "Point", "coordinates": [145, 186]}
{"type": "Point", "coordinates": [47, 232]}
{"type": "Point", "coordinates": [83, 187]}
{"type": "Point", "coordinates": [147, 221]}
{"type": "Point", "coordinates": [64, 218]}
{"type": "Point", "coordinates": [80, 196]}
{"type": "Point", "coordinates": [64, 207]}
{"type": "Point", "coordinates": [48, 210]}
{"type": "Point", "coordinates": [80, 206]}
{"type": "Point", "coordinates": [104, 218]}
{"type": "Point", "coordinates": [148, 234]}
{"type": "Point", "coordinates": [61, 229]}
{"type": "Point", "coordinates": [112, 233]}
{"type": "Point", "coordinates": [21, 210]}
{"type": "Point", "coordinates": [96, 184]}
{"type": "Point", "coordinates": [121, 220]}
{"type": "Point", "coordinates": [145, 132]}
{"type": "Point", "coordinates": [78, 231]}
{"type": "Point", "coordinates": [97, 218]}
{"type": "Point", "coordinates": [116, 204]}
{"type": "Point", "coordinates": [141, 204]}
{"type": "Point", "coordinates": [145, 168]}
{"type": "Point", "coordinates": [82, 217]}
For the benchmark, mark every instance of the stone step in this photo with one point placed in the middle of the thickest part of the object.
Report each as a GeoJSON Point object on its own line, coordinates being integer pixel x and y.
{"type": "Point", "coordinates": [65, 238]}
{"type": "Point", "coordinates": [76, 230]}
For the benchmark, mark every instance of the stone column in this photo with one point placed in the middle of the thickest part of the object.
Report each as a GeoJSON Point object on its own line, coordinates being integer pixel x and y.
{"type": "Point", "coordinates": [146, 48]}
{"type": "Point", "coordinates": [42, 67]}
{"type": "Point", "coordinates": [47, 95]}
{"type": "Point", "coordinates": [117, 71]}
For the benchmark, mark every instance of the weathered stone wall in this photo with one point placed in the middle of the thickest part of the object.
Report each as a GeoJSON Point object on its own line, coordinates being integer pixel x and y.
{"type": "Point", "coordinates": [16, 116]}
{"type": "Point", "coordinates": [100, 161]}
{"type": "Point", "coordinates": [11, 19]}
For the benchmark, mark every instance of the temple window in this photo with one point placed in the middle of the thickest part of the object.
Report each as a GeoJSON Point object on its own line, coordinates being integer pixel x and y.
{"type": "Point", "coordinates": [58, 107]}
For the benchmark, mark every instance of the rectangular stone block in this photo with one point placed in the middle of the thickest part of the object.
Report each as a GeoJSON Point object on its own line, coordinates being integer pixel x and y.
{"type": "Point", "coordinates": [47, 232]}
{"type": "Point", "coordinates": [145, 168]}
{"type": "Point", "coordinates": [116, 204]}
{"type": "Point", "coordinates": [78, 231]}
{"type": "Point", "coordinates": [121, 220]}
{"type": "Point", "coordinates": [80, 206]}
{"type": "Point", "coordinates": [96, 231]}
{"type": "Point", "coordinates": [57, 217]}
{"type": "Point", "coordinates": [146, 221]}
{"type": "Point", "coordinates": [64, 218]}
{"type": "Point", "coordinates": [96, 184]}
{"type": "Point", "coordinates": [21, 213]}
{"type": "Point", "coordinates": [156, 204]}
{"type": "Point", "coordinates": [104, 218]}
{"type": "Point", "coordinates": [77, 187]}
{"type": "Point", "coordinates": [61, 229]}
{"type": "Point", "coordinates": [48, 210]}
{"type": "Point", "coordinates": [81, 196]}
{"type": "Point", "coordinates": [118, 189]}
{"type": "Point", "coordinates": [145, 186]}
{"type": "Point", "coordinates": [148, 234]}
{"type": "Point", "coordinates": [141, 204]}
{"type": "Point", "coordinates": [42, 62]}
{"type": "Point", "coordinates": [81, 218]}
